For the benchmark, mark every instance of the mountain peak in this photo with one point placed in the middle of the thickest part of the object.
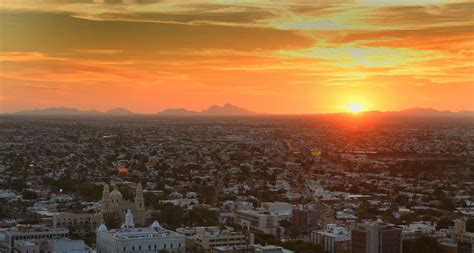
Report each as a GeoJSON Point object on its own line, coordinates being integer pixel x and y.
{"type": "Point", "coordinates": [227, 109]}
{"type": "Point", "coordinates": [119, 110]}
{"type": "Point", "coordinates": [176, 111]}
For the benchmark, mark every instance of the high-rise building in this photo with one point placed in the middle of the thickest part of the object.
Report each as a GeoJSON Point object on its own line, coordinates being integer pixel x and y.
{"type": "Point", "coordinates": [113, 202]}
{"type": "Point", "coordinates": [376, 238]}
{"type": "Point", "coordinates": [138, 239]}
{"type": "Point", "coordinates": [304, 219]}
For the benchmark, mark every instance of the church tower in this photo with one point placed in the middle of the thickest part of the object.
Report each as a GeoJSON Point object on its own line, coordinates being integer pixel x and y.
{"type": "Point", "coordinates": [105, 199]}
{"type": "Point", "coordinates": [139, 200]}
{"type": "Point", "coordinates": [139, 205]}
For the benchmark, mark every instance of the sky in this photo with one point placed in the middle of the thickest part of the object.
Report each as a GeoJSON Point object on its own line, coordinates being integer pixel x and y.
{"type": "Point", "coordinates": [269, 56]}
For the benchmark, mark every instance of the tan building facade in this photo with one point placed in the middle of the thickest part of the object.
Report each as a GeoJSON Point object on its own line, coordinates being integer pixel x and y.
{"type": "Point", "coordinates": [87, 221]}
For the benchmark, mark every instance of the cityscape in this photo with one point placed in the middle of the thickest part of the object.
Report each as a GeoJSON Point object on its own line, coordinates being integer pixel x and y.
{"type": "Point", "coordinates": [360, 182]}
{"type": "Point", "coordinates": [236, 126]}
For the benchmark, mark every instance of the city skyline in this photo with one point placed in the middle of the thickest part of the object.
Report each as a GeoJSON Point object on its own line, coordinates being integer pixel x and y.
{"type": "Point", "coordinates": [271, 57]}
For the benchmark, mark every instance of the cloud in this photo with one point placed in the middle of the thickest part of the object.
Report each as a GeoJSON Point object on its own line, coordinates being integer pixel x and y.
{"type": "Point", "coordinates": [50, 31]}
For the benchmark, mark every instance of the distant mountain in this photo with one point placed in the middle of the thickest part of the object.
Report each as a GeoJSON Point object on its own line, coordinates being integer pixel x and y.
{"type": "Point", "coordinates": [73, 111]}
{"type": "Point", "coordinates": [418, 110]}
{"type": "Point", "coordinates": [119, 111]}
{"type": "Point", "coordinates": [177, 111]}
{"type": "Point", "coordinates": [227, 109]}
{"type": "Point", "coordinates": [56, 111]}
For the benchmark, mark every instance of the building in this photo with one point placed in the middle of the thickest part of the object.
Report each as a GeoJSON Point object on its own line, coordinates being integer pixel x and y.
{"type": "Point", "coordinates": [32, 232]}
{"type": "Point", "coordinates": [233, 249]}
{"type": "Point", "coordinates": [113, 202]}
{"type": "Point", "coordinates": [251, 249]}
{"type": "Point", "coordinates": [376, 238]}
{"type": "Point", "coordinates": [282, 209]}
{"type": "Point", "coordinates": [304, 219]}
{"type": "Point", "coordinates": [258, 221]}
{"type": "Point", "coordinates": [138, 240]}
{"type": "Point", "coordinates": [85, 221]}
{"type": "Point", "coordinates": [210, 237]}
{"type": "Point", "coordinates": [463, 239]}
{"type": "Point", "coordinates": [334, 239]}
{"type": "Point", "coordinates": [64, 245]}
{"type": "Point", "coordinates": [417, 230]}
{"type": "Point", "coordinates": [270, 249]}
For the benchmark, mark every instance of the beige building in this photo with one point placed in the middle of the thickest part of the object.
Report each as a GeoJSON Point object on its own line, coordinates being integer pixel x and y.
{"type": "Point", "coordinates": [31, 232]}
{"type": "Point", "coordinates": [87, 221]}
{"type": "Point", "coordinates": [208, 238]}
{"type": "Point", "coordinates": [113, 202]}
{"type": "Point", "coordinates": [258, 221]}
{"type": "Point", "coordinates": [463, 239]}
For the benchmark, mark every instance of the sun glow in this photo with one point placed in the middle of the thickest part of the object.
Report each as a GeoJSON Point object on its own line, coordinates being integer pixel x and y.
{"type": "Point", "coordinates": [355, 108]}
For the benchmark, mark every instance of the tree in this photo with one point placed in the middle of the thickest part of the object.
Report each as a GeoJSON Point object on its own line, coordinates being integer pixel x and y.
{"type": "Point", "coordinates": [362, 213]}
{"type": "Point", "coordinates": [29, 195]}
{"type": "Point", "coordinates": [171, 215]}
{"type": "Point", "coordinates": [444, 223]}
{"type": "Point", "coordinates": [112, 220]}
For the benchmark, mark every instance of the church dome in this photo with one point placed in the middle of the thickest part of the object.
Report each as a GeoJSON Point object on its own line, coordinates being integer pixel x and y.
{"type": "Point", "coordinates": [155, 225]}
{"type": "Point", "coordinates": [116, 195]}
{"type": "Point", "coordinates": [102, 228]}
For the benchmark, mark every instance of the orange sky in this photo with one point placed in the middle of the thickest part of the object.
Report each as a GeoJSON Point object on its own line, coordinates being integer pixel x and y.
{"type": "Point", "coordinates": [266, 56]}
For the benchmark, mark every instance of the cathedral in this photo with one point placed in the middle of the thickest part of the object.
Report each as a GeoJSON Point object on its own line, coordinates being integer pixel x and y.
{"type": "Point", "coordinates": [113, 202]}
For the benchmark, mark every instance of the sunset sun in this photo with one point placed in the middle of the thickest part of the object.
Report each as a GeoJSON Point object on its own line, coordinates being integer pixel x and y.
{"type": "Point", "coordinates": [355, 108]}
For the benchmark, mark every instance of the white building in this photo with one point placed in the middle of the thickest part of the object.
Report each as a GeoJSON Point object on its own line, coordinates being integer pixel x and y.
{"type": "Point", "coordinates": [258, 221]}
{"type": "Point", "coordinates": [270, 249]}
{"type": "Point", "coordinates": [138, 240]}
{"type": "Point", "coordinates": [334, 239]}
{"type": "Point", "coordinates": [282, 209]}
{"type": "Point", "coordinates": [418, 229]}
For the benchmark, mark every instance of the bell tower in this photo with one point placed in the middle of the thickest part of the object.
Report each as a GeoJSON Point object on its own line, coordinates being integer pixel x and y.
{"type": "Point", "coordinates": [139, 200]}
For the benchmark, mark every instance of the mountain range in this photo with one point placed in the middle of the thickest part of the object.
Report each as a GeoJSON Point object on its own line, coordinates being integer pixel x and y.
{"type": "Point", "coordinates": [225, 110]}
